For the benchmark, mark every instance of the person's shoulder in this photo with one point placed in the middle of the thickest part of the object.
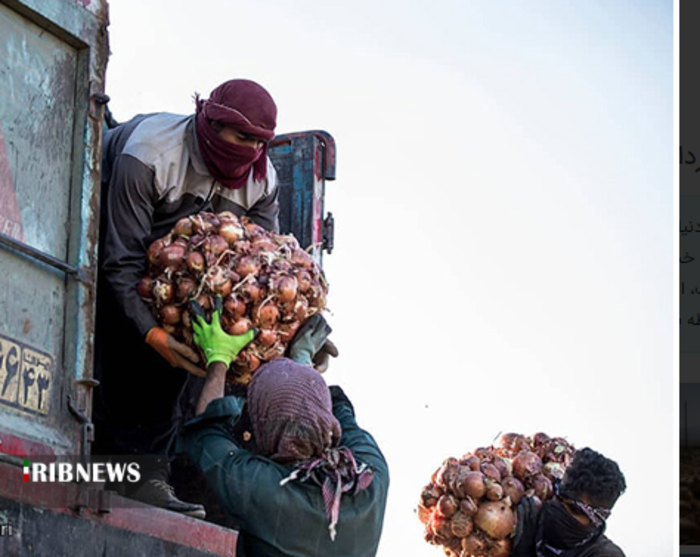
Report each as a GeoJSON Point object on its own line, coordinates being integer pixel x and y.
{"type": "Point", "coordinates": [157, 134]}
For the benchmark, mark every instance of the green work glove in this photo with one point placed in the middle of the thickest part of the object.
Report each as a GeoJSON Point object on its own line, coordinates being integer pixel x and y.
{"type": "Point", "coordinates": [309, 340]}
{"type": "Point", "coordinates": [217, 344]}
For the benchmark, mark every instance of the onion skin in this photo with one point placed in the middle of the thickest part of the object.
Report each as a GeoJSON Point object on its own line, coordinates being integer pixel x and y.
{"type": "Point", "coordinates": [447, 506]}
{"type": "Point", "coordinates": [494, 490]}
{"type": "Point", "coordinates": [473, 461]}
{"type": "Point", "coordinates": [170, 315]}
{"type": "Point", "coordinates": [461, 525]}
{"type": "Point", "coordinates": [526, 464]}
{"type": "Point", "coordinates": [473, 545]}
{"type": "Point", "coordinates": [286, 288]}
{"type": "Point", "coordinates": [513, 488]}
{"type": "Point", "coordinates": [183, 227]}
{"type": "Point", "coordinates": [424, 513]}
{"type": "Point", "coordinates": [172, 256]}
{"type": "Point", "coordinates": [267, 316]}
{"type": "Point", "coordinates": [513, 442]}
{"type": "Point", "coordinates": [231, 231]}
{"type": "Point", "coordinates": [145, 287]}
{"type": "Point", "coordinates": [185, 289]}
{"type": "Point", "coordinates": [468, 506]}
{"type": "Point", "coordinates": [195, 262]}
{"type": "Point", "coordinates": [472, 484]}
{"type": "Point", "coordinates": [154, 250]}
{"type": "Point", "coordinates": [495, 518]}
{"type": "Point", "coordinates": [542, 486]}
{"type": "Point", "coordinates": [490, 471]}
{"type": "Point", "coordinates": [430, 495]}
{"type": "Point", "coordinates": [500, 548]}
{"type": "Point", "coordinates": [267, 337]}
{"type": "Point", "coordinates": [163, 292]}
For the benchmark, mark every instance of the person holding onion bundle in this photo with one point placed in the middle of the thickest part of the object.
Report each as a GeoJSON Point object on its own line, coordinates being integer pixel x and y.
{"type": "Point", "coordinates": [572, 524]}
{"type": "Point", "coordinates": [157, 169]}
{"type": "Point", "coordinates": [315, 483]}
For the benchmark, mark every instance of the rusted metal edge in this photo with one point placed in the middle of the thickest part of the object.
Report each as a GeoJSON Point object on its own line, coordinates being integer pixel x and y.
{"type": "Point", "coordinates": [32, 253]}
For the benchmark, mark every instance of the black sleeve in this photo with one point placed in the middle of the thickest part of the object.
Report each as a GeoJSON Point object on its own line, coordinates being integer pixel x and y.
{"type": "Point", "coordinates": [526, 529]}
{"type": "Point", "coordinates": [131, 197]}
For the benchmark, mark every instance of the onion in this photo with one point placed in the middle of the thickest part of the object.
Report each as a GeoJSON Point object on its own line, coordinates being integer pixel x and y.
{"type": "Point", "coordinates": [526, 464]}
{"type": "Point", "coordinates": [491, 471]}
{"type": "Point", "coordinates": [468, 506]}
{"type": "Point", "coordinates": [163, 292]}
{"type": "Point", "coordinates": [170, 314]}
{"type": "Point", "coordinates": [185, 289]}
{"type": "Point", "coordinates": [231, 231]}
{"type": "Point", "coordinates": [504, 465]}
{"type": "Point", "coordinates": [195, 262]}
{"type": "Point", "coordinates": [247, 265]}
{"type": "Point", "coordinates": [286, 288]}
{"type": "Point", "coordinates": [470, 483]}
{"type": "Point", "coordinates": [539, 439]}
{"type": "Point", "coordinates": [183, 227]}
{"type": "Point", "coordinates": [266, 316]}
{"type": "Point", "coordinates": [495, 518]}
{"type": "Point", "coordinates": [235, 306]}
{"type": "Point", "coordinates": [215, 245]}
{"type": "Point", "coordinates": [473, 545]}
{"type": "Point", "coordinates": [446, 474]}
{"type": "Point", "coordinates": [172, 256]}
{"type": "Point", "coordinates": [473, 461]}
{"type": "Point", "coordinates": [500, 548]}
{"type": "Point", "coordinates": [241, 326]}
{"type": "Point", "coordinates": [513, 488]}
{"type": "Point", "coordinates": [430, 495]}
{"type": "Point", "coordinates": [494, 491]}
{"type": "Point", "coordinates": [252, 229]}
{"type": "Point", "coordinates": [304, 280]}
{"type": "Point", "coordinates": [461, 525]}
{"type": "Point", "coordinates": [301, 258]}
{"type": "Point", "coordinates": [424, 513]}
{"type": "Point", "coordinates": [553, 470]}
{"type": "Point", "coordinates": [252, 291]}
{"type": "Point", "coordinates": [145, 287]}
{"type": "Point", "coordinates": [202, 225]}
{"type": "Point", "coordinates": [153, 253]}
{"type": "Point", "coordinates": [447, 506]}
{"type": "Point", "coordinates": [542, 486]}
{"type": "Point", "coordinates": [267, 337]}
{"type": "Point", "coordinates": [287, 331]}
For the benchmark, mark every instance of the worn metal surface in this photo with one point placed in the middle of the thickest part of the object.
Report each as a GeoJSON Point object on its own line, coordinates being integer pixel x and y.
{"type": "Point", "coordinates": [304, 161]}
{"type": "Point", "coordinates": [53, 56]}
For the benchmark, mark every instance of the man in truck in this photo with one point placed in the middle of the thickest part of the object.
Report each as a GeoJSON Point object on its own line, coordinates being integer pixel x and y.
{"type": "Point", "coordinates": [572, 524]}
{"type": "Point", "coordinates": [156, 169]}
{"type": "Point", "coordinates": [315, 483]}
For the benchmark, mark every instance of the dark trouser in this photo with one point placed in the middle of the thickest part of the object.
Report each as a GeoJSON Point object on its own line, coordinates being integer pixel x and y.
{"type": "Point", "coordinates": [137, 404]}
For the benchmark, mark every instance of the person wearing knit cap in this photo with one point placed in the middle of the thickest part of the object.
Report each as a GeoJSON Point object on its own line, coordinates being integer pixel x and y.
{"type": "Point", "coordinates": [156, 169]}
{"type": "Point", "coordinates": [315, 483]}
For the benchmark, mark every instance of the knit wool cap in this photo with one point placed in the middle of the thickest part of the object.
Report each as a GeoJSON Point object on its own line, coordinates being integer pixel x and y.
{"type": "Point", "coordinates": [291, 412]}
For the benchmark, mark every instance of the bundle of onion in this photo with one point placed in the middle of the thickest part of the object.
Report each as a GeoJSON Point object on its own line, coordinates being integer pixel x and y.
{"type": "Point", "coordinates": [469, 506]}
{"type": "Point", "coordinates": [266, 280]}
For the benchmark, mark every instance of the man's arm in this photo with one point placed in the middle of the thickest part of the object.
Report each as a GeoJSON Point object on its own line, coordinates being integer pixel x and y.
{"type": "Point", "coordinates": [128, 215]}
{"type": "Point", "coordinates": [213, 386]}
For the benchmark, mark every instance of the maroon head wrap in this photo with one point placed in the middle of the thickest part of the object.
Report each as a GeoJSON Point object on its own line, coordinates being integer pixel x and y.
{"type": "Point", "coordinates": [291, 412]}
{"type": "Point", "coordinates": [248, 108]}
{"type": "Point", "coordinates": [291, 415]}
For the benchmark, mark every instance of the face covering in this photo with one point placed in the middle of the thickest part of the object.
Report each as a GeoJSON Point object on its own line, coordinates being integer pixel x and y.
{"type": "Point", "coordinates": [560, 535]}
{"type": "Point", "coordinates": [246, 107]}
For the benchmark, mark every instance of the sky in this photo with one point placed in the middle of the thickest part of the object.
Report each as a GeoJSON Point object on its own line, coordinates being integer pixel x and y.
{"type": "Point", "coordinates": [504, 208]}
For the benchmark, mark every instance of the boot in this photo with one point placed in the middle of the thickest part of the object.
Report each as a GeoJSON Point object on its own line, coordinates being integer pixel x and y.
{"type": "Point", "coordinates": [161, 494]}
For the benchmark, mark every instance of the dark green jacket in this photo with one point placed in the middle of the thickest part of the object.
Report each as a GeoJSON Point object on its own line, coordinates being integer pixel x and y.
{"type": "Point", "coordinates": [289, 520]}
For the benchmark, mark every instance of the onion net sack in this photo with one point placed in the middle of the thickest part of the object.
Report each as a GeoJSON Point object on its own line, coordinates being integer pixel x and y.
{"type": "Point", "coordinates": [267, 281]}
{"type": "Point", "coordinates": [469, 506]}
